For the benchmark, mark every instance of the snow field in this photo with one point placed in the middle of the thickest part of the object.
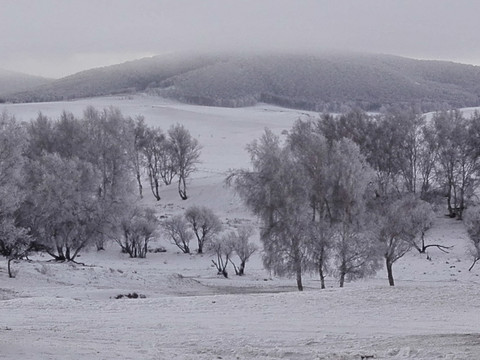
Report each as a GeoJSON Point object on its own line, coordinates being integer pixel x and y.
{"type": "Point", "coordinates": [69, 311]}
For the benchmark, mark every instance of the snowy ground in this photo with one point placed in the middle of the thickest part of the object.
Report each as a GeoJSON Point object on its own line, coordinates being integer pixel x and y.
{"type": "Point", "coordinates": [67, 311]}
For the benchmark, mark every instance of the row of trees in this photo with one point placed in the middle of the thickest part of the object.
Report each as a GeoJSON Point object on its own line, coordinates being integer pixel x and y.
{"type": "Point", "coordinates": [412, 155]}
{"type": "Point", "coordinates": [344, 191]}
{"type": "Point", "coordinates": [70, 183]}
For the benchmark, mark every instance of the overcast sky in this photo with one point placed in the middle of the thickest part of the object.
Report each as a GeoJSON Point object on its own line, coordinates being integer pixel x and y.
{"type": "Point", "coordinates": [55, 38]}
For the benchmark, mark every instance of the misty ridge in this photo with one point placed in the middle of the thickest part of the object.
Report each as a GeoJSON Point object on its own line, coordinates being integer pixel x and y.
{"type": "Point", "coordinates": [333, 82]}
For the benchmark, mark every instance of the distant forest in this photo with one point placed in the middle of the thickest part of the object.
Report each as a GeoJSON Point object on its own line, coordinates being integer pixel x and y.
{"type": "Point", "coordinates": [325, 83]}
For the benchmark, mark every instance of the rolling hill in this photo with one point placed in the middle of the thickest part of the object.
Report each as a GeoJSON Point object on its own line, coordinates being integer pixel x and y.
{"type": "Point", "coordinates": [11, 82]}
{"type": "Point", "coordinates": [320, 82]}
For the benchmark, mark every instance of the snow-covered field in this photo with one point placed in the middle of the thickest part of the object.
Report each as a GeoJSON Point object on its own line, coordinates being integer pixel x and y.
{"type": "Point", "coordinates": [69, 311]}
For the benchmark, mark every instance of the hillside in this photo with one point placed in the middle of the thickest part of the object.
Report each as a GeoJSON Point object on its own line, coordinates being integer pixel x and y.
{"type": "Point", "coordinates": [322, 82]}
{"type": "Point", "coordinates": [11, 81]}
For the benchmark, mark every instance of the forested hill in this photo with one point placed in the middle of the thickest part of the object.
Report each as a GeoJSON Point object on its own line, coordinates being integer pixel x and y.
{"type": "Point", "coordinates": [328, 82]}
{"type": "Point", "coordinates": [11, 81]}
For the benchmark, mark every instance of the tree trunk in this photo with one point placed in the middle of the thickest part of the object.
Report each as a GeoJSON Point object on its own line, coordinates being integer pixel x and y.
{"type": "Point", "coordinates": [10, 274]}
{"type": "Point", "coordinates": [200, 247]}
{"type": "Point", "coordinates": [391, 281]}
{"type": "Point", "coordinates": [140, 187]}
{"type": "Point", "coordinates": [182, 188]}
{"type": "Point", "coordinates": [461, 205]}
{"type": "Point", "coordinates": [322, 276]}
{"type": "Point", "coordinates": [342, 279]}
{"type": "Point", "coordinates": [241, 269]}
{"type": "Point", "coordinates": [299, 279]}
{"type": "Point", "coordinates": [449, 202]}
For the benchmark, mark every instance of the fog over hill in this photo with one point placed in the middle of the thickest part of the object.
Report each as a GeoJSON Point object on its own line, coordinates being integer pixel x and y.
{"type": "Point", "coordinates": [11, 81]}
{"type": "Point", "coordinates": [321, 82]}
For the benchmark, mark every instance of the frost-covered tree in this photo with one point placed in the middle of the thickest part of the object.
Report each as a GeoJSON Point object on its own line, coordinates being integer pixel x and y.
{"type": "Point", "coordinates": [472, 224]}
{"type": "Point", "coordinates": [62, 208]}
{"type": "Point", "coordinates": [422, 217]}
{"type": "Point", "coordinates": [110, 137]}
{"type": "Point", "coordinates": [320, 244]}
{"type": "Point", "coordinates": [153, 149]}
{"type": "Point", "coordinates": [137, 228]}
{"type": "Point", "coordinates": [222, 248]}
{"type": "Point", "coordinates": [185, 154]}
{"type": "Point", "coordinates": [311, 150]}
{"type": "Point", "coordinates": [136, 154]}
{"type": "Point", "coordinates": [458, 157]}
{"type": "Point", "coordinates": [348, 183]}
{"type": "Point", "coordinates": [14, 241]}
{"type": "Point", "coordinates": [275, 191]}
{"type": "Point", "coordinates": [397, 227]}
{"type": "Point", "coordinates": [178, 230]}
{"type": "Point", "coordinates": [205, 224]}
{"type": "Point", "coordinates": [242, 247]}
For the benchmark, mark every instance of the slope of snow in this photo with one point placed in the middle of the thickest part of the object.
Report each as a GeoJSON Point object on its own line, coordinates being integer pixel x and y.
{"type": "Point", "coordinates": [69, 311]}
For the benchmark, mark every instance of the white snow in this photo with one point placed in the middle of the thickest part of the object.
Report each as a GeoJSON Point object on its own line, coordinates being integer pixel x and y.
{"type": "Point", "coordinates": [69, 311]}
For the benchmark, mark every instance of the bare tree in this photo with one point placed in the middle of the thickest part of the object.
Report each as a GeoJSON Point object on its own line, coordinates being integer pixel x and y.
{"type": "Point", "coordinates": [186, 154]}
{"type": "Point", "coordinates": [178, 230]}
{"type": "Point", "coordinates": [205, 224]}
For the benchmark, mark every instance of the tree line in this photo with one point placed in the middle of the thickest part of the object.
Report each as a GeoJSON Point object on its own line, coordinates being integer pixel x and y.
{"type": "Point", "coordinates": [342, 192]}
{"type": "Point", "coordinates": [69, 183]}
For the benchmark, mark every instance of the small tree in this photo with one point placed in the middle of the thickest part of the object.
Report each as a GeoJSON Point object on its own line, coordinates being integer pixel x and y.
{"type": "Point", "coordinates": [242, 247]}
{"type": "Point", "coordinates": [222, 248]}
{"type": "Point", "coordinates": [186, 152]}
{"type": "Point", "coordinates": [397, 229]}
{"type": "Point", "coordinates": [177, 229]}
{"type": "Point", "coordinates": [14, 244]}
{"type": "Point", "coordinates": [205, 224]}
{"type": "Point", "coordinates": [472, 223]}
{"type": "Point", "coordinates": [137, 228]}
{"type": "Point", "coordinates": [423, 217]}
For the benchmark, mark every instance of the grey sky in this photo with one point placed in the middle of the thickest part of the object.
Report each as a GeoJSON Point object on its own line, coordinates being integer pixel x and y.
{"type": "Point", "coordinates": [59, 37]}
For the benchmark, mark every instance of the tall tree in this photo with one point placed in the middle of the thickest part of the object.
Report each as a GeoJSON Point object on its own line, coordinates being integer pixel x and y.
{"type": "Point", "coordinates": [14, 242]}
{"type": "Point", "coordinates": [153, 148]}
{"type": "Point", "coordinates": [349, 179]}
{"type": "Point", "coordinates": [275, 191]}
{"type": "Point", "coordinates": [186, 153]}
